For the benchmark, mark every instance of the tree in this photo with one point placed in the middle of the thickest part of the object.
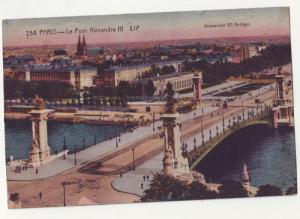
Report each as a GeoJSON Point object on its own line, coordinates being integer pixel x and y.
{"type": "Point", "coordinates": [268, 190]}
{"type": "Point", "coordinates": [149, 88]}
{"type": "Point", "coordinates": [232, 189]}
{"type": "Point", "coordinates": [167, 69]}
{"type": "Point", "coordinates": [198, 191]}
{"type": "Point", "coordinates": [168, 188]}
{"type": "Point", "coordinates": [169, 89]}
{"type": "Point", "coordinates": [164, 188]}
{"type": "Point", "coordinates": [122, 89]}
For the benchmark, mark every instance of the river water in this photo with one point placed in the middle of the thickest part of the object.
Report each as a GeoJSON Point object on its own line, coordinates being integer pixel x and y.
{"type": "Point", "coordinates": [270, 155]}
{"type": "Point", "coordinates": [18, 136]}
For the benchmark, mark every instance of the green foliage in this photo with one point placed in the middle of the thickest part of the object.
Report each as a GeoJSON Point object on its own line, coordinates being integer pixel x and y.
{"type": "Point", "coordinates": [232, 189]}
{"type": "Point", "coordinates": [48, 90]}
{"type": "Point", "coordinates": [168, 188]}
{"type": "Point", "coordinates": [164, 188]}
{"type": "Point", "coordinates": [169, 90]}
{"type": "Point", "coordinates": [197, 191]}
{"type": "Point", "coordinates": [149, 88]}
{"type": "Point", "coordinates": [268, 190]}
{"type": "Point", "coordinates": [167, 69]}
{"type": "Point", "coordinates": [274, 55]}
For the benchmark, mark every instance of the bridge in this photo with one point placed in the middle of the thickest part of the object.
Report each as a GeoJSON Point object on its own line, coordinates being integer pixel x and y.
{"type": "Point", "coordinates": [197, 154]}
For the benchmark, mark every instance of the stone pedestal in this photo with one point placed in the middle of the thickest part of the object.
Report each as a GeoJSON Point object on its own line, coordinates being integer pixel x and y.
{"type": "Point", "coordinates": [40, 151]}
{"type": "Point", "coordinates": [173, 161]}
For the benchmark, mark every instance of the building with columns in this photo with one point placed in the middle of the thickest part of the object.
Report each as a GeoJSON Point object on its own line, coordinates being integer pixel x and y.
{"type": "Point", "coordinates": [77, 76]}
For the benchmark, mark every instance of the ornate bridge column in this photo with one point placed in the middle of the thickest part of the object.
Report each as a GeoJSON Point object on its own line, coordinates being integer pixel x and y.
{"type": "Point", "coordinates": [197, 82]}
{"type": "Point", "coordinates": [173, 161]}
{"type": "Point", "coordinates": [40, 150]}
{"type": "Point", "coordinates": [282, 108]}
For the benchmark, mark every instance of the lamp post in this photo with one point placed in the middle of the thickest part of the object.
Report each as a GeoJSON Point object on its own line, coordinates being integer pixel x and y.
{"type": "Point", "coordinates": [65, 145]}
{"type": "Point", "coordinates": [75, 155]}
{"type": "Point", "coordinates": [153, 116]}
{"type": "Point", "coordinates": [210, 135]}
{"type": "Point", "coordinates": [83, 142]}
{"type": "Point", "coordinates": [217, 129]}
{"type": "Point", "coordinates": [64, 189]}
{"type": "Point", "coordinates": [223, 120]}
{"type": "Point", "coordinates": [95, 139]}
{"type": "Point", "coordinates": [133, 163]}
{"type": "Point", "coordinates": [117, 143]}
{"type": "Point", "coordinates": [243, 110]}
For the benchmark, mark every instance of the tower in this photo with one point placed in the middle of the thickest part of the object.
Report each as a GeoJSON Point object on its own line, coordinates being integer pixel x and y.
{"type": "Point", "coordinates": [79, 47]}
{"type": "Point", "coordinates": [84, 47]}
{"type": "Point", "coordinates": [197, 81]}
{"type": "Point", "coordinates": [280, 95]}
{"type": "Point", "coordinates": [40, 150]}
{"type": "Point", "coordinates": [174, 163]}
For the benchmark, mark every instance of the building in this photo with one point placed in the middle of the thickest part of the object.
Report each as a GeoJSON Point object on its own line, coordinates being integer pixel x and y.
{"type": "Point", "coordinates": [81, 47]}
{"type": "Point", "coordinates": [244, 52]}
{"type": "Point", "coordinates": [111, 77]}
{"type": "Point", "coordinates": [180, 81]}
{"type": "Point", "coordinates": [78, 76]}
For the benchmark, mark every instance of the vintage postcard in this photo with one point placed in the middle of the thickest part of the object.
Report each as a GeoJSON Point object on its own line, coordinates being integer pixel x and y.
{"type": "Point", "coordinates": [148, 107]}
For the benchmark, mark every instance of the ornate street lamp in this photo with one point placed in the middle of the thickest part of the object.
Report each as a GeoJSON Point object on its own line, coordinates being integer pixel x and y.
{"type": "Point", "coordinates": [153, 116]}
{"type": "Point", "coordinates": [133, 162]}
{"type": "Point", "coordinates": [65, 145]}
{"type": "Point", "coordinates": [83, 142]}
{"type": "Point", "coordinates": [75, 155]}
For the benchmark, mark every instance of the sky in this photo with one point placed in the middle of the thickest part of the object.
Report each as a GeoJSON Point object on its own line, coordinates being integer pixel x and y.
{"type": "Point", "coordinates": [148, 27]}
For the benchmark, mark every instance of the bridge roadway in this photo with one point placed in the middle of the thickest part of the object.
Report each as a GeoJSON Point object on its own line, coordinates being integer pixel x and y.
{"type": "Point", "coordinates": [121, 157]}
{"type": "Point", "coordinates": [191, 135]}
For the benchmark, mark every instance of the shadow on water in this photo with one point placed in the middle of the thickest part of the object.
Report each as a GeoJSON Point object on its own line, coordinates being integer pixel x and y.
{"type": "Point", "coordinates": [269, 153]}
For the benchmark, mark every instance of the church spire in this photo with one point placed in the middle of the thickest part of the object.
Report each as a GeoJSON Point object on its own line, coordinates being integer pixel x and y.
{"type": "Point", "coordinates": [83, 41]}
{"type": "Point", "coordinates": [83, 46]}
{"type": "Point", "coordinates": [79, 42]}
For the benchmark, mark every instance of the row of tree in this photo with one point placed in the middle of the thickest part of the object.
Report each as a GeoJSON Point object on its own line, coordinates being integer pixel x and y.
{"type": "Point", "coordinates": [167, 188]}
{"type": "Point", "coordinates": [125, 89]}
{"type": "Point", "coordinates": [14, 89]}
{"type": "Point", "coordinates": [272, 56]}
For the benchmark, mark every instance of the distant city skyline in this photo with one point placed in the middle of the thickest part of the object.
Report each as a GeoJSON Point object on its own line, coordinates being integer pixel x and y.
{"type": "Point", "coordinates": [149, 27]}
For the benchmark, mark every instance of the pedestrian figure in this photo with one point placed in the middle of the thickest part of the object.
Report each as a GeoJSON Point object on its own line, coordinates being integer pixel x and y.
{"type": "Point", "coordinates": [36, 171]}
{"type": "Point", "coordinates": [147, 178]}
{"type": "Point", "coordinates": [40, 195]}
{"type": "Point", "coordinates": [142, 185]}
{"type": "Point", "coordinates": [144, 177]}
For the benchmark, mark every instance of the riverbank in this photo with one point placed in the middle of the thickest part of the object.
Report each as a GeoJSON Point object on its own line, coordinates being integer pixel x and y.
{"type": "Point", "coordinates": [92, 117]}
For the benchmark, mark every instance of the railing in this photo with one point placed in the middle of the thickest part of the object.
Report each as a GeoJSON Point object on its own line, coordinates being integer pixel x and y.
{"type": "Point", "coordinates": [196, 155]}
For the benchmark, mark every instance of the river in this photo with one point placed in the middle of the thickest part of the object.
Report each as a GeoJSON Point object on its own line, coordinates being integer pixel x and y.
{"type": "Point", "coordinates": [270, 155]}
{"type": "Point", "coordinates": [18, 136]}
